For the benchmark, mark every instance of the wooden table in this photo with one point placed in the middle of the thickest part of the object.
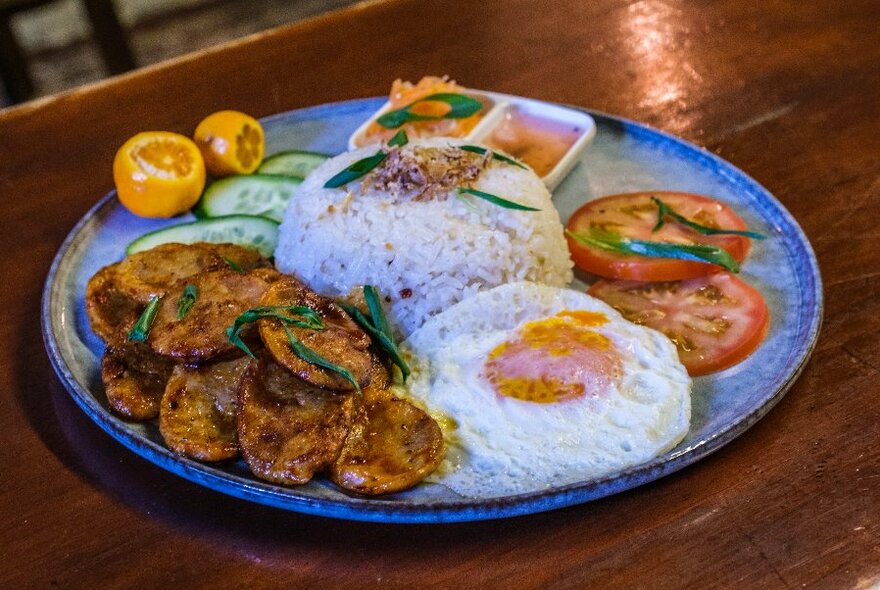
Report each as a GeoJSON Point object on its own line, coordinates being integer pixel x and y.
{"type": "Point", "coordinates": [787, 91]}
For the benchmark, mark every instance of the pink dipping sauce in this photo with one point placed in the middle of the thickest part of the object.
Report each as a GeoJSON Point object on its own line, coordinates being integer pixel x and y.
{"type": "Point", "coordinates": [539, 142]}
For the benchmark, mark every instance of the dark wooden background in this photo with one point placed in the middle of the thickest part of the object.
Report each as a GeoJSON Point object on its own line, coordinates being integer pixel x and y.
{"type": "Point", "coordinates": [788, 91]}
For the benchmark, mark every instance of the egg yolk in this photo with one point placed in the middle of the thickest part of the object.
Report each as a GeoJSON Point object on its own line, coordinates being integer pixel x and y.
{"type": "Point", "coordinates": [555, 359]}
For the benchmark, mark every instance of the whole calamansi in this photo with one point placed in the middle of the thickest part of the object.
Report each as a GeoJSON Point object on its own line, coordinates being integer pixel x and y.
{"type": "Point", "coordinates": [231, 143]}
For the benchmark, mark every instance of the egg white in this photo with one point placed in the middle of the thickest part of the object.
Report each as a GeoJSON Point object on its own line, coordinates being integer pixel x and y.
{"type": "Point", "coordinates": [498, 446]}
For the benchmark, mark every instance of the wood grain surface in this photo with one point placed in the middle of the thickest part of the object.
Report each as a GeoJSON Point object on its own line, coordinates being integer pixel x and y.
{"type": "Point", "coordinates": [787, 91]}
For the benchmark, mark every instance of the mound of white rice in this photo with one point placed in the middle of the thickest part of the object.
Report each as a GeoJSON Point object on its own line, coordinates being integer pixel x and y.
{"type": "Point", "coordinates": [422, 254]}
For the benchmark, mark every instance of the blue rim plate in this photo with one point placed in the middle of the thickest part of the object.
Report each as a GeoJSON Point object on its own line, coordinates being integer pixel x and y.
{"type": "Point", "coordinates": [625, 156]}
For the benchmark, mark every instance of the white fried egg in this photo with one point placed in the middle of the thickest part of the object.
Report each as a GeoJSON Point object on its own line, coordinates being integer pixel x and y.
{"type": "Point", "coordinates": [538, 386]}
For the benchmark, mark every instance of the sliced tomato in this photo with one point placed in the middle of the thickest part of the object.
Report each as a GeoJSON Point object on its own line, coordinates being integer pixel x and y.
{"type": "Point", "coordinates": [715, 321]}
{"type": "Point", "coordinates": [634, 215]}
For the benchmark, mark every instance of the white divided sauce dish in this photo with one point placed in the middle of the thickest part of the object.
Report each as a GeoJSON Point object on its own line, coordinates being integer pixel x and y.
{"type": "Point", "coordinates": [548, 137]}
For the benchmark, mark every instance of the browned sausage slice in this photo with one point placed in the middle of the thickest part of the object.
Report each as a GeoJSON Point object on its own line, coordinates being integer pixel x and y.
{"type": "Point", "coordinates": [342, 343]}
{"type": "Point", "coordinates": [287, 429]}
{"type": "Point", "coordinates": [117, 294]}
{"type": "Point", "coordinates": [394, 445]}
{"type": "Point", "coordinates": [198, 413]}
{"type": "Point", "coordinates": [134, 380]}
{"type": "Point", "coordinates": [154, 271]}
{"type": "Point", "coordinates": [222, 295]}
{"type": "Point", "coordinates": [111, 313]}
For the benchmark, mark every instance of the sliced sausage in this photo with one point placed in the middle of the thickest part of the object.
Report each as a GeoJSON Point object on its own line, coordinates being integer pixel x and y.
{"type": "Point", "coordinates": [154, 271]}
{"type": "Point", "coordinates": [393, 446]}
{"type": "Point", "coordinates": [287, 429]}
{"type": "Point", "coordinates": [200, 336]}
{"type": "Point", "coordinates": [111, 313]}
{"type": "Point", "coordinates": [197, 417]}
{"type": "Point", "coordinates": [134, 380]}
{"type": "Point", "coordinates": [342, 342]}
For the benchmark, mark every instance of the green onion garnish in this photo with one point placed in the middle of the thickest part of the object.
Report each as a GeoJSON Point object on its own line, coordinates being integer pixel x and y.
{"type": "Point", "coordinates": [460, 107]}
{"type": "Point", "coordinates": [666, 211]}
{"type": "Point", "coordinates": [235, 338]}
{"type": "Point", "coordinates": [233, 265]}
{"type": "Point", "coordinates": [386, 336]}
{"type": "Point", "coordinates": [618, 244]}
{"type": "Point", "coordinates": [385, 339]}
{"type": "Point", "coordinates": [364, 165]}
{"type": "Point", "coordinates": [187, 300]}
{"type": "Point", "coordinates": [400, 139]}
{"type": "Point", "coordinates": [310, 356]}
{"type": "Point", "coordinates": [307, 318]}
{"type": "Point", "coordinates": [371, 295]}
{"type": "Point", "coordinates": [141, 328]}
{"type": "Point", "coordinates": [495, 200]}
{"type": "Point", "coordinates": [356, 170]}
{"type": "Point", "coordinates": [475, 149]}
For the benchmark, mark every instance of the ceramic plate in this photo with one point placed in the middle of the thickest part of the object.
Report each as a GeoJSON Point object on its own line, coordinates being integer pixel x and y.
{"type": "Point", "coordinates": [624, 156]}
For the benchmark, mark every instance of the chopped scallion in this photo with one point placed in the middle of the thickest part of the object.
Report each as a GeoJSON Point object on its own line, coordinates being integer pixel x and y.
{"type": "Point", "coordinates": [312, 357]}
{"type": "Point", "coordinates": [460, 107]}
{"type": "Point", "coordinates": [475, 149]}
{"type": "Point", "coordinates": [141, 329]}
{"type": "Point", "coordinates": [385, 341]}
{"type": "Point", "coordinates": [612, 242]}
{"type": "Point", "coordinates": [307, 318]}
{"type": "Point", "coordinates": [667, 211]}
{"type": "Point", "coordinates": [187, 300]}
{"type": "Point", "coordinates": [495, 200]}
{"type": "Point", "coordinates": [356, 170]}
{"type": "Point", "coordinates": [399, 140]}
{"type": "Point", "coordinates": [233, 265]}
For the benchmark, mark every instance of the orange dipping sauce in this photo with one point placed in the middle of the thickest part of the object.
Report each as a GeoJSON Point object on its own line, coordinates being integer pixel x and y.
{"type": "Point", "coordinates": [541, 143]}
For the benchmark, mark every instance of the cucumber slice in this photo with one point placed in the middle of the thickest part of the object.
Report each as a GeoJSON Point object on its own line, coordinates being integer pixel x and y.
{"type": "Point", "coordinates": [292, 163]}
{"type": "Point", "coordinates": [245, 230]}
{"type": "Point", "coordinates": [253, 194]}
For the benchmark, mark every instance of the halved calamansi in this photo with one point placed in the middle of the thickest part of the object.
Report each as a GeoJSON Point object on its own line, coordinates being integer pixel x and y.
{"type": "Point", "coordinates": [159, 174]}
